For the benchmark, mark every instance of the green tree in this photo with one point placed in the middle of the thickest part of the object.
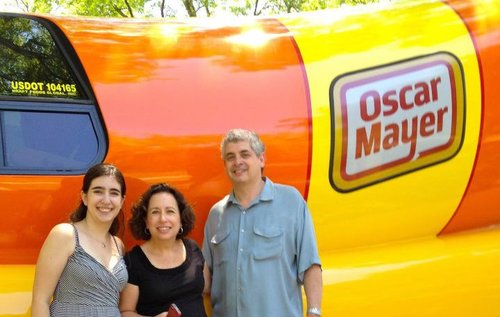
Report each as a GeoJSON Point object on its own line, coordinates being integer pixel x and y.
{"type": "Point", "coordinates": [194, 6]}
{"type": "Point", "coordinates": [313, 5]}
{"type": "Point", "coordinates": [101, 8]}
{"type": "Point", "coordinates": [263, 7]}
{"type": "Point", "coordinates": [178, 8]}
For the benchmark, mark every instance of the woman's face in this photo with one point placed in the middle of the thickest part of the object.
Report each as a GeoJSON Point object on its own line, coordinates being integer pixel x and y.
{"type": "Point", "coordinates": [104, 198]}
{"type": "Point", "coordinates": [163, 218]}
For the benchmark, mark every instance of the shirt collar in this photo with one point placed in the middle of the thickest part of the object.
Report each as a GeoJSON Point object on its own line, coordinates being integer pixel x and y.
{"type": "Point", "coordinates": [267, 193]}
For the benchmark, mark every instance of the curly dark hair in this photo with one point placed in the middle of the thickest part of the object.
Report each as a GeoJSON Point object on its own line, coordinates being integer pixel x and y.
{"type": "Point", "coordinates": [137, 223]}
{"type": "Point", "coordinates": [98, 170]}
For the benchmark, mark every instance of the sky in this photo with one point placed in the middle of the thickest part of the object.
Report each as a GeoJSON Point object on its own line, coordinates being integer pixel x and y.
{"type": "Point", "coordinates": [9, 6]}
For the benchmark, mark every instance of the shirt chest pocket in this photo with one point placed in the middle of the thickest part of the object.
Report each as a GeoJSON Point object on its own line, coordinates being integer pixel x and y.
{"type": "Point", "coordinates": [268, 242]}
{"type": "Point", "coordinates": [221, 246]}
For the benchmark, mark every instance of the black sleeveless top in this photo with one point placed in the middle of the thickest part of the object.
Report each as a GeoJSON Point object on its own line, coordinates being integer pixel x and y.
{"type": "Point", "coordinates": [158, 288]}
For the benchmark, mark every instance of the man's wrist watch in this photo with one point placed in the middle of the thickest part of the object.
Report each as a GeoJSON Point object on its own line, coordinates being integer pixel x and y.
{"type": "Point", "coordinates": [314, 311]}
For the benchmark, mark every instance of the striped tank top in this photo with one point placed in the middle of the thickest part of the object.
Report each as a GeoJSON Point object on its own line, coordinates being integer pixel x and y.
{"type": "Point", "coordinates": [87, 288]}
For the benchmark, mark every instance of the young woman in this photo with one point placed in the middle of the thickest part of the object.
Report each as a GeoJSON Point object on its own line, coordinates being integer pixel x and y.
{"type": "Point", "coordinates": [80, 269]}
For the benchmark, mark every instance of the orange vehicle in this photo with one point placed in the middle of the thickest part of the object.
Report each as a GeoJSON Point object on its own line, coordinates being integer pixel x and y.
{"type": "Point", "coordinates": [385, 117]}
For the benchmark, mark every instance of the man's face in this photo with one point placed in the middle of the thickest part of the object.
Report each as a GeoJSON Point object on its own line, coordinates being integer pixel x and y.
{"type": "Point", "coordinates": [242, 165]}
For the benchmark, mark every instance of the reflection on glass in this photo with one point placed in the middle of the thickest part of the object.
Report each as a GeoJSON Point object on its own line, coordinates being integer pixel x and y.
{"type": "Point", "coordinates": [30, 62]}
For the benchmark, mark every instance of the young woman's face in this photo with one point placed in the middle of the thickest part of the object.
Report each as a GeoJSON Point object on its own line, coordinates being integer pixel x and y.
{"type": "Point", "coordinates": [163, 218]}
{"type": "Point", "coordinates": [104, 198]}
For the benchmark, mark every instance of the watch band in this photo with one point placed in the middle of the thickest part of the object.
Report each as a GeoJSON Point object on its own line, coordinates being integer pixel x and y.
{"type": "Point", "coordinates": [314, 311]}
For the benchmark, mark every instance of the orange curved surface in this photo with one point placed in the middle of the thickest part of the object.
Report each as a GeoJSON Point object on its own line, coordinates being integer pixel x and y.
{"type": "Point", "coordinates": [479, 206]}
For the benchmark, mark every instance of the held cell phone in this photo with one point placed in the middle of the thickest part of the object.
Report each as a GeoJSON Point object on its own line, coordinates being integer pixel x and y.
{"type": "Point", "coordinates": [174, 311]}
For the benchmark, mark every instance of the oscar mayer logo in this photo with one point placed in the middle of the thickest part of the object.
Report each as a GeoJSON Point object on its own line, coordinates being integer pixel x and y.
{"type": "Point", "coordinates": [395, 119]}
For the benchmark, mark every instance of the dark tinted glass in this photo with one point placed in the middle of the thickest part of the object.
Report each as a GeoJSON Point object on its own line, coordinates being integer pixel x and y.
{"type": "Point", "coordinates": [30, 62]}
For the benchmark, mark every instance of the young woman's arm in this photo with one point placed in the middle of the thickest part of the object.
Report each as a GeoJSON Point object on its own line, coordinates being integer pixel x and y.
{"type": "Point", "coordinates": [54, 254]}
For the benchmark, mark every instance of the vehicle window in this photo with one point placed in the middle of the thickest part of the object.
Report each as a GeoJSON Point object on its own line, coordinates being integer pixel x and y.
{"type": "Point", "coordinates": [38, 140]}
{"type": "Point", "coordinates": [49, 118]}
{"type": "Point", "coordinates": [31, 62]}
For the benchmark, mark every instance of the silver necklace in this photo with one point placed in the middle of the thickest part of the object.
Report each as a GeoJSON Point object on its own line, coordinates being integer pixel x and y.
{"type": "Point", "coordinates": [103, 244]}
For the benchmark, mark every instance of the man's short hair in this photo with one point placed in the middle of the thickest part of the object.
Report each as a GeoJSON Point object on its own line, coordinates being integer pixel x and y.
{"type": "Point", "coordinates": [237, 135]}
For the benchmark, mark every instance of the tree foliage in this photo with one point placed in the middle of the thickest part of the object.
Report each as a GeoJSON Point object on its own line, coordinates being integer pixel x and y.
{"type": "Point", "coordinates": [178, 8]}
{"type": "Point", "coordinates": [102, 8]}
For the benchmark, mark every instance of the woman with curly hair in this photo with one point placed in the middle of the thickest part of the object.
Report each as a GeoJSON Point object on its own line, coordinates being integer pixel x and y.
{"type": "Point", "coordinates": [168, 267]}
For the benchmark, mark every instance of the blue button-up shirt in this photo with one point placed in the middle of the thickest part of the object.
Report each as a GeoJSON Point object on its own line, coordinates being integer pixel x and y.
{"type": "Point", "coordinates": [258, 255]}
